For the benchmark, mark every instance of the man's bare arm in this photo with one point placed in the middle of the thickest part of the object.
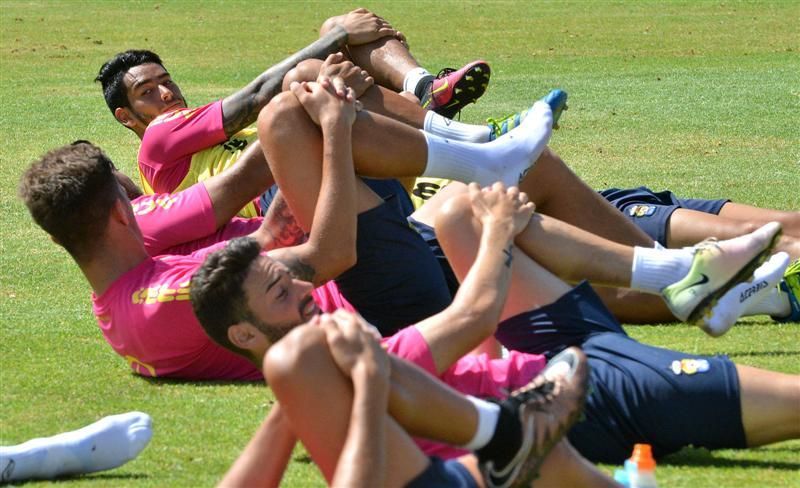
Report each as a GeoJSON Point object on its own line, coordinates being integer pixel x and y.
{"type": "Point", "coordinates": [472, 317]}
{"type": "Point", "coordinates": [234, 188]}
{"type": "Point", "coordinates": [264, 460]}
{"type": "Point", "coordinates": [241, 109]}
{"type": "Point", "coordinates": [279, 228]}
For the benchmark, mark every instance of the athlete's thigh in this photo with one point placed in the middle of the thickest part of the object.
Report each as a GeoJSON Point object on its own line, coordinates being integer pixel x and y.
{"type": "Point", "coordinates": [790, 220]}
{"type": "Point", "coordinates": [688, 227]}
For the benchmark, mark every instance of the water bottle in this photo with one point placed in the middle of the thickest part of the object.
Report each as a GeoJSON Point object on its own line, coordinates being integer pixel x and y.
{"type": "Point", "coordinates": [641, 467]}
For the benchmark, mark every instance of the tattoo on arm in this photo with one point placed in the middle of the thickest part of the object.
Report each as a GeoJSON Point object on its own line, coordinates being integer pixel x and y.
{"type": "Point", "coordinates": [282, 226]}
{"type": "Point", "coordinates": [241, 109]}
{"type": "Point", "coordinates": [297, 267]}
{"type": "Point", "coordinates": [509, 256]}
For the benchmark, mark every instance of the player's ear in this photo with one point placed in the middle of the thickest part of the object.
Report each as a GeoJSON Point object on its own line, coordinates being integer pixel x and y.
{"type": "Point", "coordinates": [244, 336]}
{"type": "Point", "coordinates": [124, 117]}
{"type": "Point", "coordinates": [119, 212]}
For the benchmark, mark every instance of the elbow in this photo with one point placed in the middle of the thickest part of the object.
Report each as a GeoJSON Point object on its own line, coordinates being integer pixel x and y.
{"type": "Point", "coordinates": [329, 24]}
{"type": "Point", "coordinates": [344, 261]}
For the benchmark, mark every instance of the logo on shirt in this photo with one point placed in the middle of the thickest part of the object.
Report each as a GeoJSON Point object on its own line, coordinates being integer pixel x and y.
{"type": "Point", "coordinates": [690, 366]}
{"type": "Point", "coordinates": [150, 204]}
{"type": "Point", "coordinates": [425, 189]}
{"type": "Point", "coordinates": [137, 366]}
{"type": "Point", "coordinates": [234, 145]}
{"type": "Point", "coordinates": [160, 294]}
{"type": "Point", "coordinates": [641, 210]}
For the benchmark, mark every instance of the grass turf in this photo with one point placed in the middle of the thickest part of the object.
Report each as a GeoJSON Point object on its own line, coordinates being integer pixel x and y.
{"type": "Point", "coordinates": [698, 97]}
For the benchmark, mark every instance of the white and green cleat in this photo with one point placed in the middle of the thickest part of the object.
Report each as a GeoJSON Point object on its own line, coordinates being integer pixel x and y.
{"type": "Point", "coordinates": [717, 267]}
{"type": "Point", "coordinates": [791, 286]}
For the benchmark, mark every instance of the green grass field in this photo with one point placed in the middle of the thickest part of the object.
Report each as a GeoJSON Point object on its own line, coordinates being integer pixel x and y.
{"type": "Point", "coordinates": [699, 97]}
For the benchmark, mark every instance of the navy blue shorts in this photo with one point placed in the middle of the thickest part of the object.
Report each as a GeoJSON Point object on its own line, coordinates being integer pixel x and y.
{"type": "Point", "coordinates": [385, 188]}
{"type": "Point", "coordinates": [429, 236]}
{"type": "Point", "coordinates": [443, 474]}
{"type": "Point", "coordinates": [396, 280]}
{"type": "Point", "coordinates": [651, 211]}
{"type": "Point", "coordinates": [638, 393]}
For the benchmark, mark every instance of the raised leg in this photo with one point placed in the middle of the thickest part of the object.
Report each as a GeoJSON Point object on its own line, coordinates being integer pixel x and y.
{"type": "Point", "coordinates": [316, 398]}
{"type": "Point", "coordinates": [688, 227]}
{"type": "Point", "coordinates": [560, 193]}
{"type": "Point", "coordinates": [770, 403]}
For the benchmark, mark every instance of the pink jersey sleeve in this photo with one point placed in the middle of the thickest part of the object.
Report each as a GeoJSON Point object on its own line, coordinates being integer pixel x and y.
{"type": "Point", "coordinates": [171, 139]}
{"type": "Point", "coordinates": [329, 299]}
{"type": "Point", "coordinates": [167, 220]}
{"type": "Point", "coordinates": [237, 227]}
{"type": "Point", "coordinates": [409, 344]}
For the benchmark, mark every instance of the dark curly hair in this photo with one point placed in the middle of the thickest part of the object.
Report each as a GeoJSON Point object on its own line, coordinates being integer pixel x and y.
{"type": "Point", "coordinates": [218, 296]}
{"type": "Point", "coordinates": [113, 71]}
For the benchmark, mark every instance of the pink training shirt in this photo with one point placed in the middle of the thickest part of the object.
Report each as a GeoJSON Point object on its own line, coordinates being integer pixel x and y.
{"type": "Point", "coordinates": [146, 315]}
{"type": "Point", "coordinates": [172, 139]}
{"type": "Point", "coordinates": [475, 375]}
{"type": "Point", "coordinates": [184, 222]}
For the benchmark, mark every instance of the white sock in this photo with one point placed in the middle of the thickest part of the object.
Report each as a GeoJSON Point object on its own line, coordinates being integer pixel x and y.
{"type": "Point", "coordinates": [453, 129]}
{"type": "Point", "coordinates": [414, 77]}
{"type": "Point", "coordinates": [654, 269]}
{"type": "Point", "coordinates": [505, 159]}
{"type": "Point", "coordinates": [105, 444]}
{"type": "Point", "coordinates": [775, 303]}
{"type": "Point", "coordinates": [657, 245]}
{"type": "Point", "coordinates": [732, 304]}
{"type": "Point", "coordinates": [488, 415]}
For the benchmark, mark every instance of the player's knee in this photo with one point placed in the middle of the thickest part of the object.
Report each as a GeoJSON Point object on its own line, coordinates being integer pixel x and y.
{"type": "Point", "coordinates": [454, 214]}
{"type": "Point", "coordinates": [292, 357]}
{"type": "Point", "coordinates": [307, 70]}
{"type": "Point", "coordinates": [275, 119]}
{"type": "Point", "coordinates": [329, 24]}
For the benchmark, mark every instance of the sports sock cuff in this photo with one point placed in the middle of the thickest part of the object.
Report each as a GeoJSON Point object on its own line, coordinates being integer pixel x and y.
{"type": "Point", "coordinates": [654, 269]}
{"type": "Point", "coordinates": [448, 159]}
{"type": "Point", "coordinates": [427, 124]}
{"type": "Point", "coordinates": [413, 79]}
{"type": "Point", "coordinates": [488, 414]}
{"type": "Point", "coordinates": [506, 439]}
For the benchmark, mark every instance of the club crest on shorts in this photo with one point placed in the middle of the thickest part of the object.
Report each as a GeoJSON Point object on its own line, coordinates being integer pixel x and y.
{"type": "Point", "coordinates": [690, 366]}
{"type": "Point", "coordinates": [641, 210]}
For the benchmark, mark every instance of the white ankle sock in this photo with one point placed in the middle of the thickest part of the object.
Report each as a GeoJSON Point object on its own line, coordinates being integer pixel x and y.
{"type": "Point", "coordinates": [505, 159]}
{"type": "Point", "coordinates": [734, 303]}
{"type": "Point", "coordinates": [654, 269]}
{"type": "Point", "coordinates": [488, 414]}
{"type": "Point", "coordinates": [775, 303]}
{"type": "Point", "coordinates": [414, 77]}
{"type": "Point", "coordinates": [453, 129]}
{"type": "Point", "coordinates": [105, 444]}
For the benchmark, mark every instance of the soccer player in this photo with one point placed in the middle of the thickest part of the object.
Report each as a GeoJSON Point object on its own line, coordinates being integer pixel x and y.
{"type": "Point", "coordinates": [141, 302]}
{"type": "Point", "coordinates": [247, 301]}
{"type": "Point", "coordinates": [357, 435]}
{"type": "Point", "coordinates": [181, 146]}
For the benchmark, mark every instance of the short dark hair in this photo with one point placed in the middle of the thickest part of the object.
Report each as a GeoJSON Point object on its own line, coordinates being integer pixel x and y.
{"type": "Point", "coordinates": [70, 192]}
{"type": "Point", "coordinates": [113, 71]}
{"type": "Point", "coordinates": [217, 292]}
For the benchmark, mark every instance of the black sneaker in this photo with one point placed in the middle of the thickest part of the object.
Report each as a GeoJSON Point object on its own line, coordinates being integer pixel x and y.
{"type": "Point", "coordinates": [548, 406]}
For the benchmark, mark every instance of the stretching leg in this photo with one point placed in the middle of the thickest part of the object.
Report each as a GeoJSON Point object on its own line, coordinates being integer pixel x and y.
{"type": "Point", "coordinates": [688, 227]}
{"type": "Point", "coordinates": [302, 358]}
{"type": "Point", "coordinates": [558, 192]}
{"type": "Point", "coordinates": [387, 59]}
{"type": "Point", "coordinates": [770, 403]}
